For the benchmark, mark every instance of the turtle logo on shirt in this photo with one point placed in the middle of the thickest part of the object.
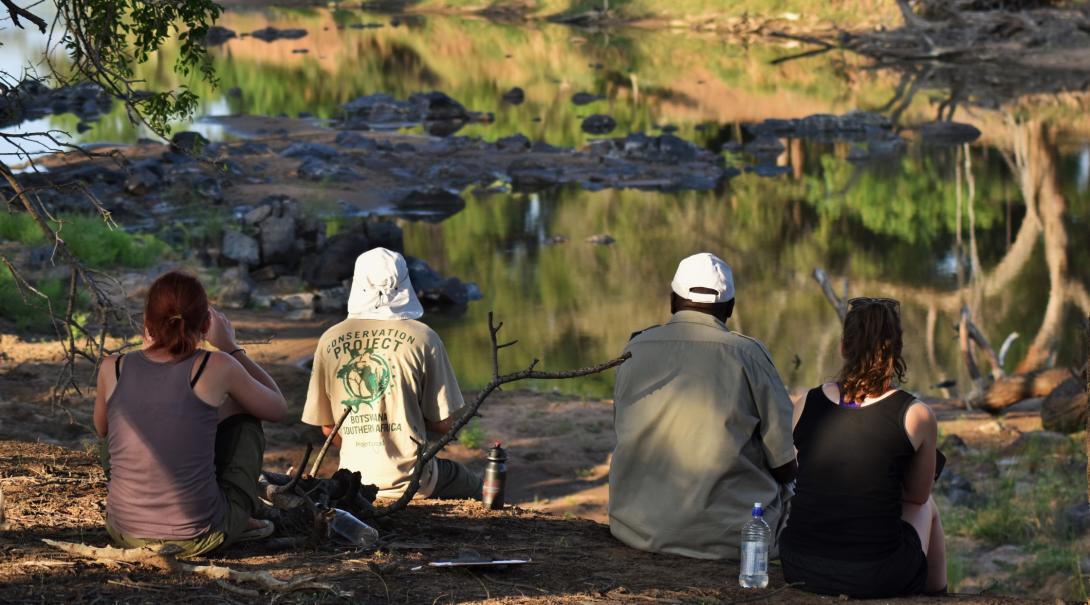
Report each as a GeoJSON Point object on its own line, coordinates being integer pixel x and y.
{"type": "Point", "coordinates": [365, 377]}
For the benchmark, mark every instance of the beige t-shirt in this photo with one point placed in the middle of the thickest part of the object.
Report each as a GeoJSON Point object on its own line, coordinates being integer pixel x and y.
{"type": "Point", "coordinates": [701, 417]}
{"type": "Point", "coordinates": [393, 375]}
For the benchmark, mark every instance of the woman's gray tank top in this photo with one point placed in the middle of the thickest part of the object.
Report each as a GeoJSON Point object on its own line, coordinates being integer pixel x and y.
{"type": "Point", "coordinates": [161, 438]}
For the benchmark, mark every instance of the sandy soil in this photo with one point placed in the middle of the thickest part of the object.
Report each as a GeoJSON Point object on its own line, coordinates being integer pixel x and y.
{"type": "Point", "coordinates": [559, 449]}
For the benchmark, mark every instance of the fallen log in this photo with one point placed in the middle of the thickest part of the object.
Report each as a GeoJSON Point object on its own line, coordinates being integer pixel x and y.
{"type": "Point", "coordinates": [1009, 390]}
{"type": "Point", "coordinates": [1065, 409]}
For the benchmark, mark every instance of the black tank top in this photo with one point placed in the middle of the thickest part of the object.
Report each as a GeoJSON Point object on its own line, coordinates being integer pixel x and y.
{"type": "Point", "coordinates": [852, 465]}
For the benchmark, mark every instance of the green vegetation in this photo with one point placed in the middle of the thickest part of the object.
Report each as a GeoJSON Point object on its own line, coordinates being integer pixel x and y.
{"type": "Point", "coordinates": [20, 227]}
{"type": "Point", "coordinates": [1023, 505]}
{"type": "Point", "coordinates": [100, 246]}
{"type": "Point", "coordinates": [27, 310]}
{"type": "Point", "coordinates": [472, 436]}
{"type": "Point", "coordinates": [94, 242]}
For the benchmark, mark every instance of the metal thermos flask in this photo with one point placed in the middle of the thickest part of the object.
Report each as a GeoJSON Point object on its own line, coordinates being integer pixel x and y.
{"type": "Point", "coordinates": [495, 478]}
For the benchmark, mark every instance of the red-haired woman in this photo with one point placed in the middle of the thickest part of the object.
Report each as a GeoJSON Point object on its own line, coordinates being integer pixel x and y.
{"type": "Point", "coordinates": [862, 520]}
{"type": "Point", "coordinates": [183, 427]}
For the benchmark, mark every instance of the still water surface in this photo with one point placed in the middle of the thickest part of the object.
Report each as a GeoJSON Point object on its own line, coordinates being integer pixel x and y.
{"type": "Point", "coordinates": [999, 225]}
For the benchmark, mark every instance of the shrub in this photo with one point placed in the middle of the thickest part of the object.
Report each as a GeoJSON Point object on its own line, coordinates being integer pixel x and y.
{"type": "Point", "coordinates": [20, 227]}
{"type": "Point", "coordinates": [88, 237]}
{"type": "Point", "coordinates": [472, 435]}
{"type": "Point", "coordinates": [31, 312]}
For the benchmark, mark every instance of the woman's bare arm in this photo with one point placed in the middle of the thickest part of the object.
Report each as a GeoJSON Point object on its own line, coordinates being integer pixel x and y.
{"type": "Point", "coordinates": [106, 384]}
{"type": "Point", "coordinates": [923, 430]}
{"type": "Point", "coordinates": [237, 375]}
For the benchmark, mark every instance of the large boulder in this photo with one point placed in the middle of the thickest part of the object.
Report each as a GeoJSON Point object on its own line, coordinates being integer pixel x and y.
{"type": "Point", "coordinates": [584, 98]}
{"type": "Point", "coordinates": [948, 133]}
{"type": "Point", "coordinates": [188, 142]}
{"type": "Point", "coordinates": [277, 230]}
{"type": "Point", "coordinates": [438, 106]}
{"type": "Point", "coordinates": [599, 124]}
{"type": "Point", "coordinates": [270, 34]}
{"type": "Point", "coordinates": [236, 288]}
{"type": "Point", "coordinates": [332, 300]}
{"type": "Point", "coordinates": [528, 174]}
{"type": "Point", "coordinates": [430, 204]}
{"type": "Point", "coordinates": [317, 169]}
{"type": "Point", "coordinates": [143, 180]}
{"type": "Point", "coordinates": [355, 140]}
{"type": "Point", "coordinates": [384, 234]}
{"type": "Point", "coordinates": [241, 248]}
{"type": "Point", "coordinates": [309, 150]}
{"type": "Point", "coordinates": [515, 96]}
{"type": "Point", "coordinates": [433, 289]}
{"type": "Point", "coordinates": [217, 35]}
{"type": "Point", "coordinates": [855, 125]}
{"type": "Point", "coordinates": [335, 261]}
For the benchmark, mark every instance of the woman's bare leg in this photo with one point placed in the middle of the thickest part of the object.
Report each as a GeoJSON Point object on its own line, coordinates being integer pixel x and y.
{"type": "Point", "coordinates": [925, 519]}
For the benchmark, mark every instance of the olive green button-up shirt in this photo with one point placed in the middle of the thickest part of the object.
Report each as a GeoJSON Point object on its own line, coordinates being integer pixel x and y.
{"type": "Point", "coordinates": [701, 417]}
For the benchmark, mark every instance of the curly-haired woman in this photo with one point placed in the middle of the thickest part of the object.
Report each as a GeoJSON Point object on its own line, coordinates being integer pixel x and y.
{"type": "Point", "coordinates": [183, 427]}
{"type": "Point", "coordinates": [863, 521]}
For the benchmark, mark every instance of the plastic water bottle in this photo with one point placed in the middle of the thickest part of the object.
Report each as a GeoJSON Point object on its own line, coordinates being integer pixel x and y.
{"type": "Point", "coordinates": [351, 529]}
{"type": "Point", "coordinates": [756, 535]}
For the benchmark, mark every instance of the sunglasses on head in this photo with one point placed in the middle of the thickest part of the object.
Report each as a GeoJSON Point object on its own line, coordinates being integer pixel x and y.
{"type": "Point", "coordinates": [862, 301]}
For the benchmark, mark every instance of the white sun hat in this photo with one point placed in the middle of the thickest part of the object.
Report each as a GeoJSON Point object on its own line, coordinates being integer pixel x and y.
{"type": "Point", "coordinates": [704, 270]}
{"type": "Point", "coordinates": [381, 288]}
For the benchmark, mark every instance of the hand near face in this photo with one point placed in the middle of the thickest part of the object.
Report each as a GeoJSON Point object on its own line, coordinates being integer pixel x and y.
{"type": "Point", "coordinates": [221, 334]}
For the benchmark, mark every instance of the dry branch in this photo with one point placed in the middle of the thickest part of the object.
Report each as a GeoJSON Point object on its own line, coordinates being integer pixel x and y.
{"type": "Point", "coordinates": [839, 304]}
{"type": "Point", "coordinates": [1009, 390]}
{"type": "Point", "coordinates": [279, 489]}
{"type": "Point", "coordinates": [329, 441]}
{"type": "Point", "coordinates": [426, 455]}
{"type": "Point", "coordinates": [16, 11]}
{"type": "Point", "coordinates": [163, 558]}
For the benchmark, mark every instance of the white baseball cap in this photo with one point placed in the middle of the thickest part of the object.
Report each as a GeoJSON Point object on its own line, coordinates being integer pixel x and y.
{"type": "Point", "coordinates": [381, 288]}
{"type": "Point", "coordinates": [704, 270]}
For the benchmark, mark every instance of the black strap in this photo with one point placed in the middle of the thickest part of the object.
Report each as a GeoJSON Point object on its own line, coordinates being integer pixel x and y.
{"type": "Point", "coordinates": [200, 370]}
{"type": "Point", "coordinates": [117, 367]}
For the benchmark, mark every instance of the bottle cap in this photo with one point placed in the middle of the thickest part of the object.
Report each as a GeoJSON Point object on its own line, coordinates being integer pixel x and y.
{"type": "Point", "coordinates": [758, 510]}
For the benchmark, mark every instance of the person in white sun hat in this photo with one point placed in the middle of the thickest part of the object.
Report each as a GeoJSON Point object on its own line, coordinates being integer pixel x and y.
{"type": "Point", "coordinates": [703, 426]}
{"type": "Point", "coordinates": [391, 373]}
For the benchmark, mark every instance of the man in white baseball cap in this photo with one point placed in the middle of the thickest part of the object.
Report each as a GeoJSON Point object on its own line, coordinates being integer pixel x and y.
{"type": "Point", "coordinates": [703, 426]}
{"type": "Point", "coordinates": [391, 373]}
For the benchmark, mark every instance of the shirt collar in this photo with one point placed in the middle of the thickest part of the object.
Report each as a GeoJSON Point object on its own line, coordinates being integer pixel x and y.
{"type": "Point", "coordinates": [697, 317]}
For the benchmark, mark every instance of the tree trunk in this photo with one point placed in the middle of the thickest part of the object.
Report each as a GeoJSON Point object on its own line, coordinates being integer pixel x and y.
{"type": "Point", "coordinates": [1064, 410]}
{"type": "Point", "coordinates": [1009, 390]}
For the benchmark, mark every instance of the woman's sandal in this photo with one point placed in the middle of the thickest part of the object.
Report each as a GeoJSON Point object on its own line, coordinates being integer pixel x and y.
{"type": "Point", "coordinates": [264, 530]}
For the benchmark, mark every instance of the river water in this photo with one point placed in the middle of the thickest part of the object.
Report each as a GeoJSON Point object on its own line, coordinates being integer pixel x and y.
{"type": "Point", "coordinates": [999, 225]}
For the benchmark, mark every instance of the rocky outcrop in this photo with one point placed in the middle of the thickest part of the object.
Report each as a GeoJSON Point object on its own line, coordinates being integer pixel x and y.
{"type": "Point", "coordinates": [271, 34]}
{"type": "Point", "coordinates": [31, 99]}
{"type": "Point", "coordinates": [439, 113]}
{"type": "Point", "coordinates": [598, 124]}
{"type": "Point", "coordinates": [217, 35]}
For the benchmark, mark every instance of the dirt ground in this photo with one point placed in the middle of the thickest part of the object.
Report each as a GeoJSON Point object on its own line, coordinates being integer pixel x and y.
{"type": "Point", "coordinates": [559, 457]}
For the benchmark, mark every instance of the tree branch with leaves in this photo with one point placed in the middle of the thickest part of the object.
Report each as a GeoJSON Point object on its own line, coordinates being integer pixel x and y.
{"type": "Point", "coordinates": [102, 42]}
